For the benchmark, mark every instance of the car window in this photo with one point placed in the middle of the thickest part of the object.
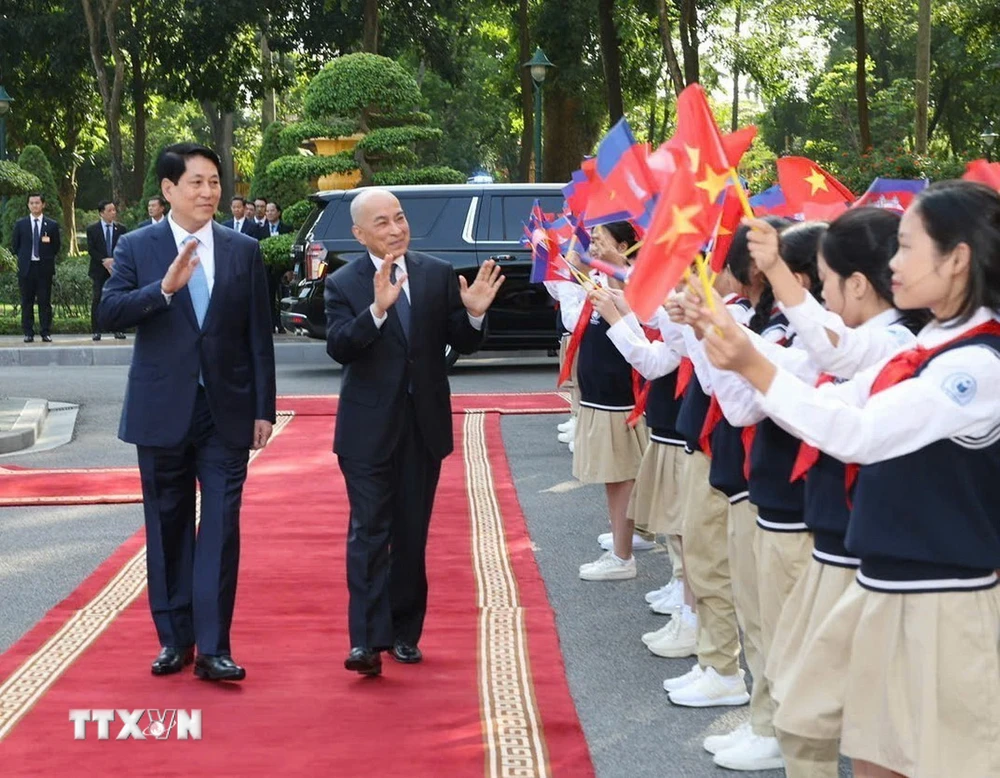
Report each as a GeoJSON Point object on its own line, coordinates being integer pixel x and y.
{"type": "Point", "coordinates": [507, 227]}
{"type": "Point", "coordinates": [422, 212]}
{"type": "Point", "coordinates": [307, 225]}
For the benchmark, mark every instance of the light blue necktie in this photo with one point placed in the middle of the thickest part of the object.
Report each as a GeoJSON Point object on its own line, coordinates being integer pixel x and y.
{"type": "Point", "coordinates": [198, 289]}
{"type": "Point", "coordinates": [108, 239]}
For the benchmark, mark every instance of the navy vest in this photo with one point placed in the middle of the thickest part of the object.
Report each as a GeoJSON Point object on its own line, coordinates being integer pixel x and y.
{"type": "Point", "coordinates": [726, 471]}
{"type": "Point", "coordinates": [605, 378]}
{"type": "Point", "coordinates": [827, 511]}
{"type": "Point", "coordinates": [932, 515]}
{"type": "Point", "coordinates": [662, 409]}
{"type": "Point", "coordinates": [694, 409]}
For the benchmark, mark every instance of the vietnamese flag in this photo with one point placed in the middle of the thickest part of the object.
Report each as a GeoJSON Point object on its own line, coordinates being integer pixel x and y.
{"type": "Point", "coordinates": [803, 181]}
{"type": "Point", "coordinates": [737, 144]}
{"type": "Point", "coordinates": [983, 172]}
{"type": "Point", "coordinates": [682, 223]}
{"type": "Point", "coordinates": [729, 222]}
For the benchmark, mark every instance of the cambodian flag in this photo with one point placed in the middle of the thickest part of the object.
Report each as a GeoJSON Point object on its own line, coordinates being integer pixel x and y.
{"type": "Point", "coordinates": [893, 194]}
{"type": "Point", "coordinates": [770, 201]}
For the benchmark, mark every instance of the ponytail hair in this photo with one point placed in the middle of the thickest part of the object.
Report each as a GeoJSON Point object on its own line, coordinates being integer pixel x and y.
{"type": "Point", "coordinates": [798, 247]}
{"type": "Point", "coordinates": [738, 257]}
{"type": "Point", "coordinates": [955, 212]}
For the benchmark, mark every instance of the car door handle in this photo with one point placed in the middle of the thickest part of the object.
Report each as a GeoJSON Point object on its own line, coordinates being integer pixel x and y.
{"type": "Point", "coordinates": [503, 257]}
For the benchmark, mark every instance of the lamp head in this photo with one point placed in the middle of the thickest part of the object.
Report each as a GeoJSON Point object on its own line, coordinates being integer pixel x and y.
{"type": "Point", "coordinates": [538, 65]}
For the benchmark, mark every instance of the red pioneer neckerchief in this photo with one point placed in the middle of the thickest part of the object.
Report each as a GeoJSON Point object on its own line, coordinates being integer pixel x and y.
{"type": "Point", "coordinates": [808, 455]}
{"type": "Point", "coordinates": [640, 390]}
{"type": "Point", "coordinates": [574, 342]}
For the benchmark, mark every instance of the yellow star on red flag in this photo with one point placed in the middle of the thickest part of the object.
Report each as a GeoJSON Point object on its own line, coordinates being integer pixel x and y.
{"type": "Point", "coordinates": [680, 223]}
{"type": "Point", "coordinates": [714, 183]}
{"type": "Point", "coordinates": [817, 181]}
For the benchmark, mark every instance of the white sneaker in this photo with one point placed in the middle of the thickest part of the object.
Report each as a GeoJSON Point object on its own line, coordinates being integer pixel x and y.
{"type": "Point", "coordinates": [639, 543]}
{"type": "Point", "coordinates": [670, 602]}
{"type": "Point", "coordinates": [681, 643]}
{"type": "Point", "coordinates": [567, 426]}
{"type": "Point", "coordinates": [659, 634]}
{"type": "Point", "coordinates": [565, 437]}
{"type": "Point", "coordinates": [609, 568]}
{"type": "Point", "coordinates": [752, 753]}
{"type": "Point", "coordinates": [571, 447]}
{"type": "Point", "coordinates": [692, 675]}
{"type": "Point", "coordinates": [656, 594]}
{"type": "Point", "coordinates": [716, 743]}
{"type": "Point", "coordinates": [712, 689]}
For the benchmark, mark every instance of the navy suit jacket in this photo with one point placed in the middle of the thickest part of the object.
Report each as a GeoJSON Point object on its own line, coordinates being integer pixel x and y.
{"type": "Point", "coordinates": [249, 227]}
{"type": "Point", "coordinates": [47, 250]}
{"type": "Point", "coordinates": [233, 351]}
{"type": "Point", "coordinates": [97, 247]}
{"type": "Point", "coordinates": [381, 366]}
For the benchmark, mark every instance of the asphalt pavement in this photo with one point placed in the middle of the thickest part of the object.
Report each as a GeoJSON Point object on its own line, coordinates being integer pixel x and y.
{"type": "Point", "coordinates": [631, 728]}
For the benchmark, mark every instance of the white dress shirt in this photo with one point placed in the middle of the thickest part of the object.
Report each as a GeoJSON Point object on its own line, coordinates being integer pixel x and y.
{"type": "Point", "coordinates": [205, 249]}
{"type": "Point", "coordinates": [956, 397]}
{"type": "Point", "coordinates": [400, 263]}
{"type": "Point", "coordinates": [238, 224]}
{"type": "Point", "coordinates": [651, 359]}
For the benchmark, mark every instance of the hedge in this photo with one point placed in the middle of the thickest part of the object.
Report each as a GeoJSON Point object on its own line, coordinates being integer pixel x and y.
{"type": "Point", "coordinates": [388, 139]}
{"type": "Point", "coordinates": [359, 83]}
{"type": "Point", "coordinates": [296, 213]}
{"type": "Point", "coordinates": [15, 180]}
{"type": "Point", "coordinates": [427, 175]}
{"type": "Point", "coordinates": [277, 250]}
{"type": "Point", "coordinates": [294, 134]}
{"type": "Point", "coordinates": [302, 167]}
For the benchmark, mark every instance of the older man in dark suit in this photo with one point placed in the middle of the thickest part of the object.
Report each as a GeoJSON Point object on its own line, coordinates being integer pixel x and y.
{"type": "Point", "coordinates": [102, 237]}
{"type": "Point", "coordinates": [200, 395]}
{"type": "Point", "coordinates": [390, 313]}
{"type": "Point", "coordinates": [36, 243]}
{"type": "Point", "coordinates": [241, 221]}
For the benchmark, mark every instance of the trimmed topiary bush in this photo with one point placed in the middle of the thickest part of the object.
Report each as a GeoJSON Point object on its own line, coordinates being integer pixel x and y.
{"type": "Point", "coordinates": [296, 213]}
{"type": "Point", "coordinates": [277, 251]}
{"type": "Point", "coordinates": [15, 180]}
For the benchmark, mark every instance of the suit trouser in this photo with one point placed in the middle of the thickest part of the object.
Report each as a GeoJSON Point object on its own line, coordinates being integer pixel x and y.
{"type": "Point", "coordinates": [192, 581]}
{"type": "Point", "coordinates": [706, 567]}
{"type": "Point", "coordinates": [36, 286]}
{"type": "Point", "coordinates": [743, 564]}
{"type": "Point", "coordinates": [95, 302]}
{"type": "Point", "coordinates": [391, 503]}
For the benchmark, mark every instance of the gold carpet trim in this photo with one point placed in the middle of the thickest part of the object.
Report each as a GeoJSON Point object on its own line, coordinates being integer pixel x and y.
{"type": "Point", "coordinates": [41, 670]}
{"type": "Point", "coordinates": [515, 744]}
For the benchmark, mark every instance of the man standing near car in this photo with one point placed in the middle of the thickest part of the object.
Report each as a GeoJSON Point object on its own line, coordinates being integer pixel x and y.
{"type": "Point", "coordinates": [102, 237]}
{"type": "Point", "coordinates": [200, 395]}
{"type": "Point", "coordinates": [390, 314]}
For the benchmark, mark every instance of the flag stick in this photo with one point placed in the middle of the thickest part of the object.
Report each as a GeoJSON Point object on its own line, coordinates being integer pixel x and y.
{"type": "Point", "coordinates": [741, 193]}
{"type": "Point", "coordinates": [580, 277]}
{"type": "Point", "coordinates": [634, 247]}
{"type": "Point", "coordinates": [706, 284]}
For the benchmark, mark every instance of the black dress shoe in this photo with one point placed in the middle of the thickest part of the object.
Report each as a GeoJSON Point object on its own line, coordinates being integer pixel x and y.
{"type": "Point", "coordinates": [46, 339]}
{"type": "Point", "coordinates": [363, 661]}
{"type": "Point", "coordinates": [119, 336]}
{"type": "Point", "coordinates": [172, 660]}
{"type": "Point", "coordinates": [96, 336]}
{"type": "Point", "coordinates": [406, 653]}
{"type": "Point", "coordinates": [29, 338]}
{"type": "Point", "coordinates": [218, 668]}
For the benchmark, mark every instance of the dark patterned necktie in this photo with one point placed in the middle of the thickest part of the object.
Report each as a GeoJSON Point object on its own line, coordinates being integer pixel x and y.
{"type": "Point", "coordinates": [402, 305]}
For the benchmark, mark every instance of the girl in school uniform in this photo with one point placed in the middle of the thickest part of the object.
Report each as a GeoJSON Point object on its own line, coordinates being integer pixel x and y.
{"type": "Point", "coordinates": [606, 450]}
{"type": "Point", "coordinates": [908, 660]}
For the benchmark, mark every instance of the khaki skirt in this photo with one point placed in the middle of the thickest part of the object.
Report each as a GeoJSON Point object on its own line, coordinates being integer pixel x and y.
{"type": "Point", "coordinates": [655, 504]}
{"type": "Point", "coordinates": [916, 676]}
{"type": "Point", "coordinates": [812, 599]}
{"type": "Point", "coordinates": [606, 450]}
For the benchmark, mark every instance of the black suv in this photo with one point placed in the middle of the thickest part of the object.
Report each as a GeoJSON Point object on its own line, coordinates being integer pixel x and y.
{"type": "Point", "coordinates": [464, 224]}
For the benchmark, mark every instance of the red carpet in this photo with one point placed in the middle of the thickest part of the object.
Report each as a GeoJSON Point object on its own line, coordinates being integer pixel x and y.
{"type": "Point", "coordinates": [490, 698]}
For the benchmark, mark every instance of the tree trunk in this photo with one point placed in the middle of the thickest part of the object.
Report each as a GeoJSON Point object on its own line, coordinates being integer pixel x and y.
{"type": "Point", "coordinates": [611, 58]}
{"type": "Point", "coordinates": [67, 198]}
{"type": "Point", "coordinates": [861, 76]}
{"type": "Point", "coordinates": [100, 22]}
{"type": "Point", "coordinates": [735, 123]}
{"type": "Point", "coordinates": [136, 36]}
{"type": "Point", "coordinates": [567, 137]}
{"type": "Point", "coordinates": [222, 140]}
{"type": "Point", "coordinates": [268, 112]}
{"type": "Point", "coordinates": [527, 98]}
{"type": "Point", "coordinates": [923, 73]}
{"type": "Point", "coordinates": [666, 38]}
{"type": "Point", "coordinates": [690, 41]}
{"type": "Point", "coordinates": [371, 26]}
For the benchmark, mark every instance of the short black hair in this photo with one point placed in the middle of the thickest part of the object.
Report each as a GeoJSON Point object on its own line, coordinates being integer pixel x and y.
{"type": "Point", "coordinates": [159, 198]}
{"type": "Point", "coordinates": [39, 195]}
{"type": "Point", "coordinates": [172, 161]}
{"type": "Point", "coordinates": [104, 204]}
{"type": "Point", "coordinates": [955, 212]}
{"type": "Point", "coordinates": [262, 199]}
{"type": "Point", "coordinates": [621, 232]}
{"type": "Point", "coordinates": [241, 198]}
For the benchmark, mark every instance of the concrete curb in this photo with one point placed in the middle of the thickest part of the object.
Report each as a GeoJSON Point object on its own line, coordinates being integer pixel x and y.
{"type": "Point", "coordinates": [87, 356]}
{"type": "Point", "coordinates": [28, 426]}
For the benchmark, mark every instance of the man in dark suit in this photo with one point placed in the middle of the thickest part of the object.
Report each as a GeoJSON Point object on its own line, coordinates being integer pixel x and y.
{"type": "Point", "coordinates": [102, 237]}
{"type": "Point", "coordinates": [36, 244]}
{"type": "Point", "coordinates": [273, 225]}
{"type": "Point", "coordinates": [156, 207]}
{"type": "Point", "coordinates": [240, 220]}
{"type": "Point", "coordinates": [390, 313]}
{"type": "Point", "coordinates": [200, 394]}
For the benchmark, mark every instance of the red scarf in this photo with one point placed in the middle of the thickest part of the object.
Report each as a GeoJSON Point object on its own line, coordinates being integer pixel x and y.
{"type": "Point", "coordinates": [684, 372]}
{"type": "Point", "coordinates": [574, 342]}
{"type": "Point", "coordinates": [640, 390]}
{"type": "Point", "coordinates": [905, 365]}
{"type": "Point", "coordinates": [808, 455]}
{"type": "Point", "coordinates": [712, 419]}
{"type": "Point", "coordinates": [747, 436]}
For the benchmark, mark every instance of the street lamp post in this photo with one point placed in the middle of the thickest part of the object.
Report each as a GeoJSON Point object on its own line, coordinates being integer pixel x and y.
{"type": "Point", "coordinates": [5, 101]}
{"type": "Point", "coordinates": [538, 66]}
{"type": "Point", "coordinates": [988, 137]}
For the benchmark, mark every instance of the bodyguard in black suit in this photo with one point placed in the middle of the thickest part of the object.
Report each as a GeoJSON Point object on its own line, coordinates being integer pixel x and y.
{"type": "Point", "coordinates": [102, 237]}
{"type": "Point", "coordinates": [390, 314]}
{"type": "Point", "coordinates": [240, 220]}
{"type": "Point", "coordinates": [200, 394]}
{"type": "Point", "coordinates": [273, 225]}
{"type": "Point", "coordinates": [36, 243]}
{"type": "Point", "coordinates": [156, 207]}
